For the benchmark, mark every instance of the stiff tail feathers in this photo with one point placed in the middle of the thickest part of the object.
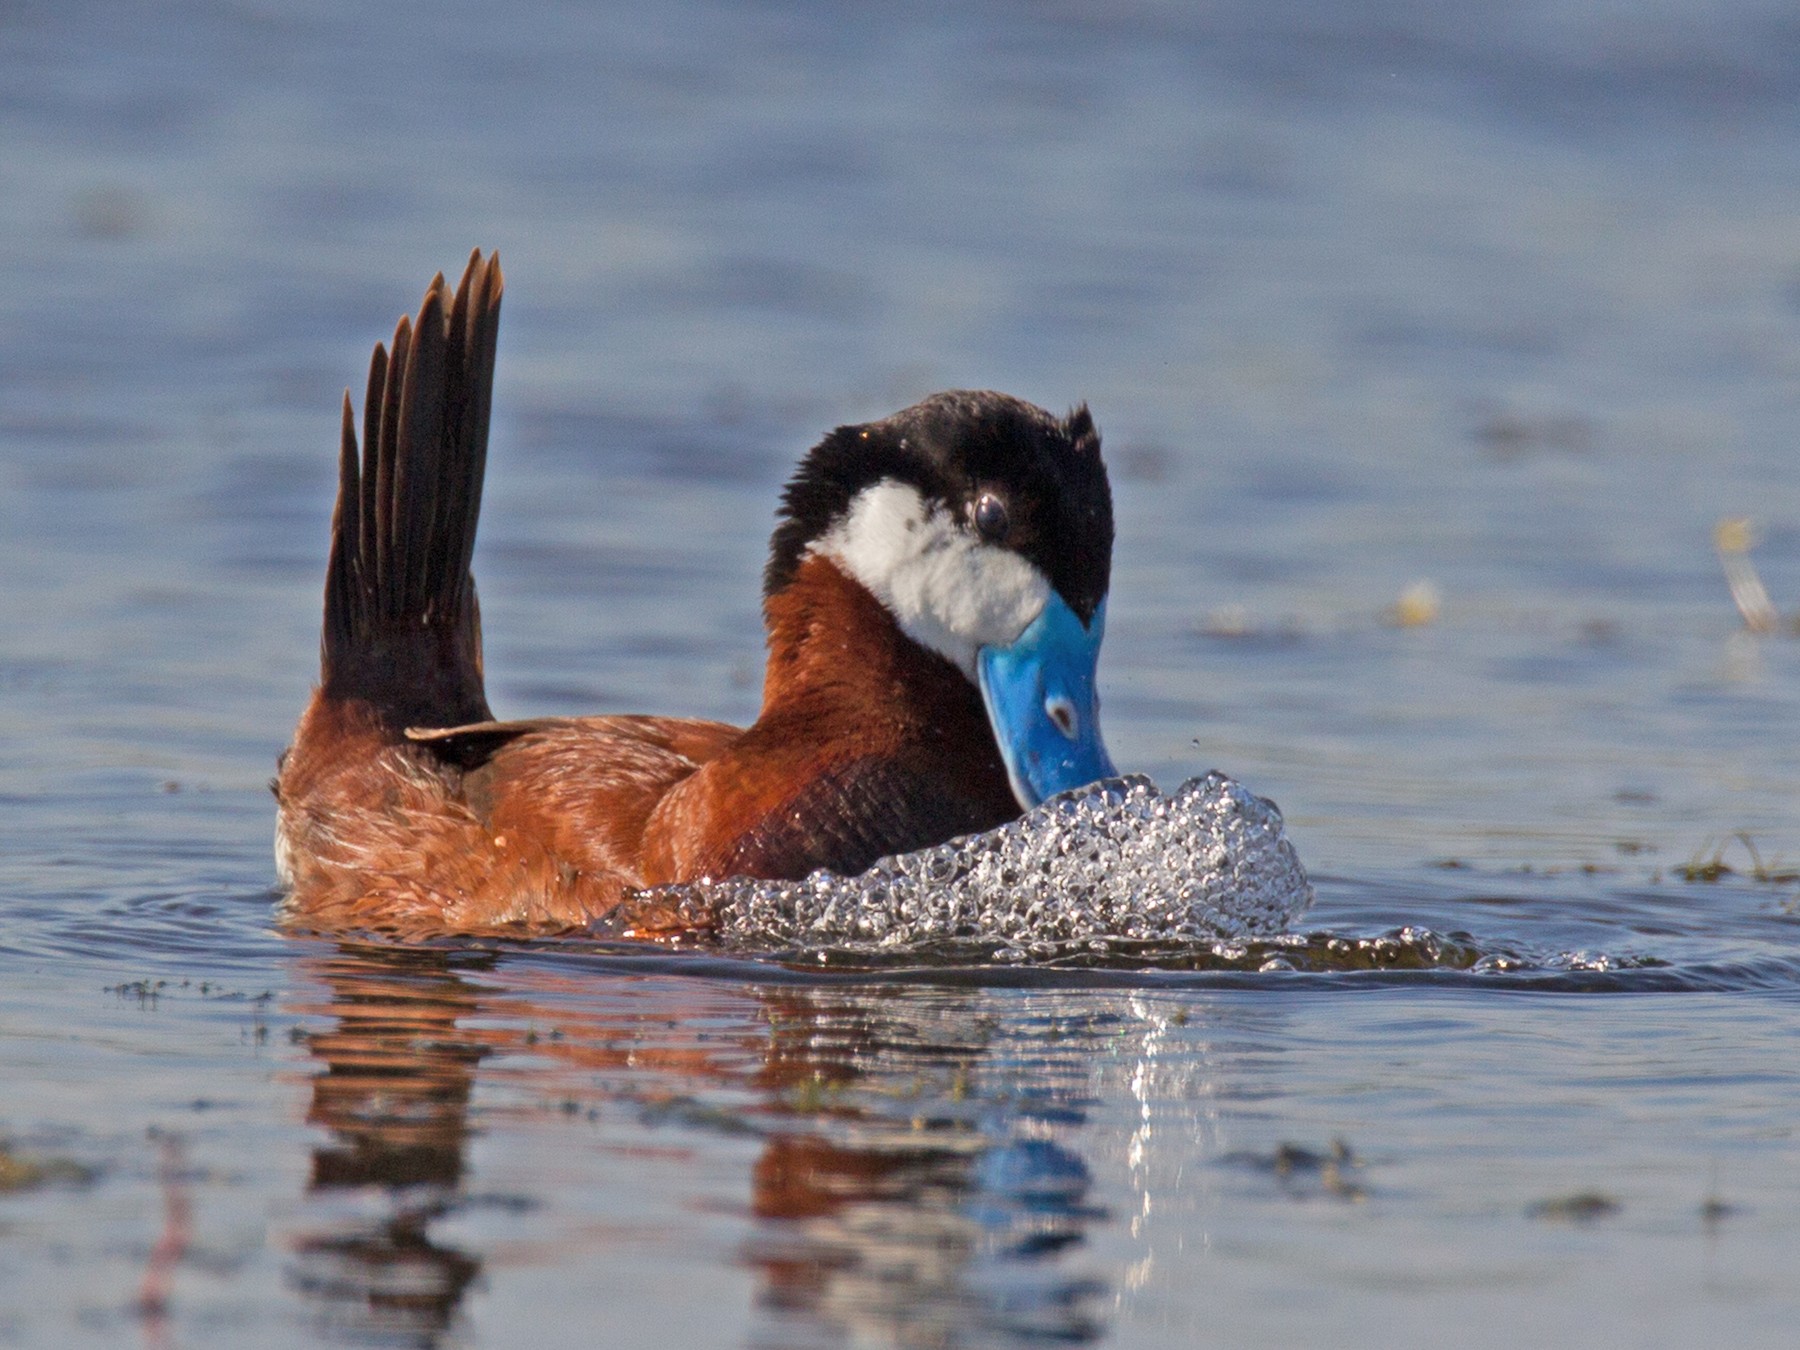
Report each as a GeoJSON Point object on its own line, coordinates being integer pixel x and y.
{"type": "Point", "coordinates": [402, 626]}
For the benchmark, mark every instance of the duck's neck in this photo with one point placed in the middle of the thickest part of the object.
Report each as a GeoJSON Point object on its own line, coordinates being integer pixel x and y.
{"type": "Point", "coordinates": [831, 643]}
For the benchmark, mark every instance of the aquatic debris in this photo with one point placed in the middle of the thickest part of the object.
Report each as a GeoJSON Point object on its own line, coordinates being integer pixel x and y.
{"type": "Point", "coordinates": [1733, 538]}
{"type": "Point", "coordinates": [23, 1172]}
{"type": "Point", "coordinates": [1418, 606]}
{"type": "Point", "coordinates": [1228, 621]}
{"type": "Point", "coordinates": [146, 992]}
{"type": "Point", "coordinates": [1702, 868]}
{"type": "Point", "coordinates": [1115, 860]}
{"type": "Point", "coordinates": [1714, 1211]}
{"type": "Point", "coordinates": [1508, 434]}
{"type": "Point", "coordinates": [1580, 1208]}
{"type": "Point", "coordinates": [1234, 623]}
{"type": "Point", "coordinates": [1298, 1168]}
{"type": "Point", "coordinates": [691, 1113]}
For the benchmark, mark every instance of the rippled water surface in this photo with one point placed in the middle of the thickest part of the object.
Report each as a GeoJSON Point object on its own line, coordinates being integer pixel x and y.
{"type": "Point", "coordinates": [1430, 345]}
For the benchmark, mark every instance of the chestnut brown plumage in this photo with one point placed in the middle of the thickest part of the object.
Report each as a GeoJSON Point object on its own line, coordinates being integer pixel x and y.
{"type": "Point", "coordinates": [405, 807]}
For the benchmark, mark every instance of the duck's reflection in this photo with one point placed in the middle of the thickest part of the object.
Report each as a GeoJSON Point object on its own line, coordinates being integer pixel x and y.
{"type": "Point", "coordinates": [895, 1200]}
{"type": "Point", "coordinates": [394, 1094]}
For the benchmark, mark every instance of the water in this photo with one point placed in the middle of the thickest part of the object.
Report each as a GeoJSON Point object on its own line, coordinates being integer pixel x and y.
{"type": "Point", "coordinates": [1498, 299]}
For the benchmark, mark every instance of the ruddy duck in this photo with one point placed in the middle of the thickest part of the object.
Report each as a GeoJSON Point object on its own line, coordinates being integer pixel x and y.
{"type": "Point", "coordinates": [934, 598]}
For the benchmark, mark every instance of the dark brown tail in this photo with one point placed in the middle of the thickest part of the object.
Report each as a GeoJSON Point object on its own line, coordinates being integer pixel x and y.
{"type": "Point", "coordinates": [402, 625]}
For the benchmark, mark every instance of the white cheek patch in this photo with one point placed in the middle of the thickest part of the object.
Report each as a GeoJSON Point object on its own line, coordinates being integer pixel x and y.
{"type": "Point", "coordinates": [949, 591]}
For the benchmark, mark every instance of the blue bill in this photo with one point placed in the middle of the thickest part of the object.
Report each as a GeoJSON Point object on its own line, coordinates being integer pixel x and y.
{"type": "Point", "coordinates": [1043, 705]}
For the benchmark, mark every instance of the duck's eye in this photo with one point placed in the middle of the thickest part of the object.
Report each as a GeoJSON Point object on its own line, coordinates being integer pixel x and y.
{"type": "Point", "coordinates": [990, 517]}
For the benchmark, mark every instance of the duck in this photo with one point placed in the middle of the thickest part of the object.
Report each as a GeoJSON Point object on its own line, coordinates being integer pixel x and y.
{"type": "Point", "coordinates": [934, 602]}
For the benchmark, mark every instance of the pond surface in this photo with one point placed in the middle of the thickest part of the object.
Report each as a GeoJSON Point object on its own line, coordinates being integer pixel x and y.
{"type": "Point", "coordinates": [1430, 344]}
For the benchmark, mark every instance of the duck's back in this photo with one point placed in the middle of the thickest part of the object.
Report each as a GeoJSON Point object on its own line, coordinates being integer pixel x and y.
{"type": "Point", "coordinates": [493, 828]}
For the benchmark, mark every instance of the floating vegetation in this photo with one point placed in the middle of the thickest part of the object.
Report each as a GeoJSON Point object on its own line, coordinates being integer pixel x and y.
{"type": "Point", "coordinates": [1733, 538]}
{"type": "Point", "coordinates": [1305, 1172]}
{"type": "Point", "coordinates": [26, 1172]}
{"type": "Point", "coordinates": [1418, 606]}
{"type": "Point", "coordinates": [1714, 1211]}
{"type": "Point", "coordinates": [691, 1113]}
{"type": "Point", "coordinates": [1510, 434]}
{"type": "Point", "coordinates": [1582, 1207]}
{"type": "Point", "coordinates": [1702, 867]}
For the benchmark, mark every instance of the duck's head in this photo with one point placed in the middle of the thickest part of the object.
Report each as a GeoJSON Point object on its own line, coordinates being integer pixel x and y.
{"type": "Point", "coordinates": [984, 526]}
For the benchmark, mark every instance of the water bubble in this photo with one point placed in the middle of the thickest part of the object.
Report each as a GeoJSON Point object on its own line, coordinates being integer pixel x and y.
{"type": "Point", "coordinates": [1115, 860]}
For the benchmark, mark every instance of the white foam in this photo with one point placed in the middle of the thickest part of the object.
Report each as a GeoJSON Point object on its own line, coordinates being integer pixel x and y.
{"type": "Point", "coordinates": [1114, 861]}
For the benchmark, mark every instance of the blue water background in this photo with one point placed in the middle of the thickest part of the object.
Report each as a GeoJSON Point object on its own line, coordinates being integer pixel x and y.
{"type": "Point", "coordinates": [1503, 299]}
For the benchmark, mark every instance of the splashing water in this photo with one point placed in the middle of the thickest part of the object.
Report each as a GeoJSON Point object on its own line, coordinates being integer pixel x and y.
{"type": "Point", "coordinates": [1116, 860]}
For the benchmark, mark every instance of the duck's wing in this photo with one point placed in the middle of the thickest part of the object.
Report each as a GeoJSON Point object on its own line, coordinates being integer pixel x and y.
{"type": "Point", "coordinates": [852, 815]}
{"type": "Point", "coordinates": [472, 744]}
